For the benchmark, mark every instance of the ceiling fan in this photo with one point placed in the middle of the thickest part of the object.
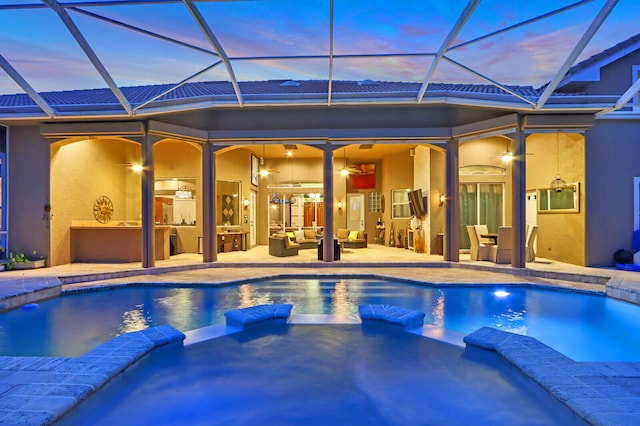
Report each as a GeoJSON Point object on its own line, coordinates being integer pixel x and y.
{"type": "Point", "coordinates": [351, 170]}
{"type": "Point", "coordinates": [507, 155]}
{"type": "Point", "coordinates": [265, 171]}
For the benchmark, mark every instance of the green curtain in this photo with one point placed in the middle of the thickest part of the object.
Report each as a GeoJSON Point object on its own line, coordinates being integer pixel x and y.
{"type": "Point", "coordinates": [491, 205]}
{"type": "Point", "coordinates": [483, 209]}
{"type": "Point", "coordinates": [468, 212]}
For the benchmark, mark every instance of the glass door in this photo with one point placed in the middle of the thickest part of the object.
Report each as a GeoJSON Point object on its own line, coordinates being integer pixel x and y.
{"type": "Point", "coordinates": [480, 204]}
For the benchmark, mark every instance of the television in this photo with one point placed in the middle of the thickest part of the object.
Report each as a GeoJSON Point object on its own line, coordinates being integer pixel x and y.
{"type": "Point", "coordinates": [417, 203]}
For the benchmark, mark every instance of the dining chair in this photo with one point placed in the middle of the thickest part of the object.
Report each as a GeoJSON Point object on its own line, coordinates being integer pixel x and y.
{"type": "Point", "coordinates": [530, 252]}
{"type": "Point", "coordinates": [501, 252]}
{"type": "Point", "coordinates": [478, 251]}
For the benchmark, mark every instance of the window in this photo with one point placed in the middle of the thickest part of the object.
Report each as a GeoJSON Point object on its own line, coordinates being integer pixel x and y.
{"type": "Point", "coordinates": [565, 201]}
{"type": "Point", "coordinates": [375, 202]}
{"type": "Point", "coordinates": [400, 204]}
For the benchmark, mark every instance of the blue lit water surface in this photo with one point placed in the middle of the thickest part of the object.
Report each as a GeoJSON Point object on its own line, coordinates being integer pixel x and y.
{"type": "Point", "coordinates": [585, 327]}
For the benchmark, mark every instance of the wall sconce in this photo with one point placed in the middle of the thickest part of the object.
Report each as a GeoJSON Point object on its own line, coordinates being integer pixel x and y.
{"type": "Point", "coordinates": [339, 205]}
{"type": "Point", "coordinates": [137, 168]}
{"type": "Point", "coordinates": [245, 203]}
{"type": "Point", "coordinates": [442, 200]}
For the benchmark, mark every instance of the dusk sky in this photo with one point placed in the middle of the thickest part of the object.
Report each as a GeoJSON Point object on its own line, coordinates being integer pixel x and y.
{"type": "Point", "coordinates": [38, 45]}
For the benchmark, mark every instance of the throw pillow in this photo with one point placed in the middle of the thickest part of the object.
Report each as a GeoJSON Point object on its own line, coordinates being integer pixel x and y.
{"type": "Point", "coordinates": [300, 235]}
{"type": "Point", "coordinates": [353, 235]}
{"type": "Point", "coordinates": [343, 234]}
{"type": "Point", "coordinates": [361, 235]}
{"type": "Point", "coordinates": [309, 234]}
{"type": "Point", "coordinates": [291, 235]}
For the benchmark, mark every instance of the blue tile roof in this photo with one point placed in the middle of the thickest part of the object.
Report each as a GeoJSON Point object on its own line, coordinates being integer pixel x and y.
{"type": "Point", "coordinates": [224, 89]}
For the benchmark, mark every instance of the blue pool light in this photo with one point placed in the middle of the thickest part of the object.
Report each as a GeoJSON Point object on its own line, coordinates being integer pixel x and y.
{"type": "Point", "coordinates": [500, 293]}
{"type": "Point", "coordinates": [30, 306]}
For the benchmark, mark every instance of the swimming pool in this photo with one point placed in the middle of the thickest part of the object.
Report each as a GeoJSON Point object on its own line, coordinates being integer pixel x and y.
{"type": "Point", "coordinates": [583, 326]}
{"type": "Point", "coordinates": [321, 374]}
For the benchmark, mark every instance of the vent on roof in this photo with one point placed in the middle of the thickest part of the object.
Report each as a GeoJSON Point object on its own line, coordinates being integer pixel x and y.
{"type": "Point", "coordinates": [367, 83]}
{"type": "Point", "coordinates": [290, 147]}
{"type": "Point", "coordinates": [366, 146]}
{"type": "Point", "coordinates": [290, 83]}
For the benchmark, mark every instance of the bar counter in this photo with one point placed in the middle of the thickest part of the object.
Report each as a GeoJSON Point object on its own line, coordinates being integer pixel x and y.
{"type": "Point", "coordinates": [114, 244]}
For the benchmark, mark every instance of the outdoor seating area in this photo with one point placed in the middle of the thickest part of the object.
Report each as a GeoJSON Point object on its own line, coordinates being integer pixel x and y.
{"type": "Point", "coordinates": [307, 238]}
{"type": "Point", "coordinates": [352, 239]}
{"type": "Point", "coordinates": [497, 247]}
{"type": "Point", "coordinates": [280, 245]}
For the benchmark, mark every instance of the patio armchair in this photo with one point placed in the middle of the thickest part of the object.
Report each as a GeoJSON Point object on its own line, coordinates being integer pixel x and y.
{"type": "Point", "coordinates": [281, 246]}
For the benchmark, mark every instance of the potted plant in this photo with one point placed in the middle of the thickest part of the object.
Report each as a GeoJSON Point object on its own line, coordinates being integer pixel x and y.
{"type": "Point", "coordinates": [3, 259]}
{"type": "Point", "coordinates": [20, 260]}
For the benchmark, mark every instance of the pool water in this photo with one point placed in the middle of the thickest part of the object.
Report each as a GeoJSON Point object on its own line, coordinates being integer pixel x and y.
{"type": "Point", "coordinates": [584, 327]}
{"type": "Point", "coordinates": [322, 375]}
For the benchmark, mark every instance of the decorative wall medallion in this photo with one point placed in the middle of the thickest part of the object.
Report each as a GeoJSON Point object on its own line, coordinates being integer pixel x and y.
{"type": "Point", "coordinates": [103, 209]}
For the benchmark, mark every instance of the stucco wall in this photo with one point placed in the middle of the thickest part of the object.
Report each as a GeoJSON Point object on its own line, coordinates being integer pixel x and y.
{"type": "Point", "coordinates": [486, 152]}
{"type": "Point", "coordinates": [611, 163]}
{"type": "Point", "coordinates": [28, 176]}
{"type": "Point", "coordinates": [561, 236]}
{"type": "Point", "coordinates": [83, 171]}
{"type": "Point", "coordinates": [173, 159]}
{"type": "Point", "coordinates": [422, 181]}
{"type": "Point", "coordinates": [399, 175]}
{"type": "Point", "coordinates": [438, 187]}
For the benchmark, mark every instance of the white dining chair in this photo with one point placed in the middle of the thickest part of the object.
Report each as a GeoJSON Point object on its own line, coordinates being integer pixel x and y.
{"type": "Point", "coordinates": [530, 252]}
{"type": "Point", "coordinates": [501, 252]}
{"type": "Point", "coordinates": [478, 250]}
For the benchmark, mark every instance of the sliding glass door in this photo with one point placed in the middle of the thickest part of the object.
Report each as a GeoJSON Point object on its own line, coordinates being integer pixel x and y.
{"type": "Point", "coordinates": [480, 204]}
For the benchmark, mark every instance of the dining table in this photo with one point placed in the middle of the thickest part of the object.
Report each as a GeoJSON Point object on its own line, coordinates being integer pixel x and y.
{"type": "Point", "coordinates": [493, 236]}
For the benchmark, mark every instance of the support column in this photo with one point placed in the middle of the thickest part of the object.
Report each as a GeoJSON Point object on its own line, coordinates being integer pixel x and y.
{"type": "Point", "coordinates": [452, 204]}
{"type": "Point", "coordinates": [518, 198]}
{"type": "Point", "coordinates": [148, 221]}
{"type": "Point", "coordinates": [327, 168]}
{"type": "Point", "coordinates": [209, 237]}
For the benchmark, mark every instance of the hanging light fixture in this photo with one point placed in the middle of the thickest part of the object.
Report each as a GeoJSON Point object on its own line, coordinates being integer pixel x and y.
{"type": "Point", "coordinates": [506, 156]}
{"type": "Point", "coordinates": [558, 184]}
{"type": "Point", "coordinates": [345, 170]}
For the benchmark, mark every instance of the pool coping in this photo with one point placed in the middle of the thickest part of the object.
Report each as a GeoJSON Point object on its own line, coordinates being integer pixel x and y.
{"type": "Point", "coordinates": [41, 390]}
{"type": "Point", "coordinates": [601, 393]}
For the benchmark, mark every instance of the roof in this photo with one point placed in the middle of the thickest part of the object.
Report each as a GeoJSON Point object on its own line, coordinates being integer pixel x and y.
{"type": "Point", "coordinates": [272, 92]}
{"type": "Point", "coordinates": [590, 67]}
{"type": "Point", "coordinates": [148, 56]}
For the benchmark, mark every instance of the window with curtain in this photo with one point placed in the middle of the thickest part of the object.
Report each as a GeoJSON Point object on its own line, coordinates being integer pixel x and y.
{"type": "Point", "coordinates": [480, 204]}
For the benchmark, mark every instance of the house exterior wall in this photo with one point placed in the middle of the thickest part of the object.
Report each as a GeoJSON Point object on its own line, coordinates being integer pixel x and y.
{"type": "Point", "coordinates": [438, 187]}
{"type": "Point", "coordinates": [28, 187]}
{"type": "Point", "coordinates": [82, 171]}
{"type": "Point", "coordinates": [611, 164]}
{"type": "Point", "coordinates": [399, 176]}
{"type": "Point", "coordinates": [175, 159]}
{"type": "Point", "coordinates": [561, 236]}
{"type": "Point", "coordinates": [616, 77]}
